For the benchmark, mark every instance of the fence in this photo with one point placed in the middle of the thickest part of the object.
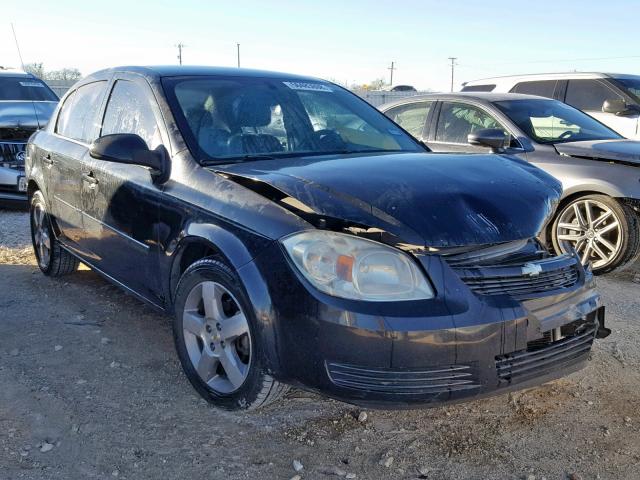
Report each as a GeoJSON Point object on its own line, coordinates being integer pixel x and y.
{"type": "Point", "coordinates": [374, 97]}
{"type": "Point", "coordinates": [378, 97]}
{"type": "Point", "coordinates": [60, 87]}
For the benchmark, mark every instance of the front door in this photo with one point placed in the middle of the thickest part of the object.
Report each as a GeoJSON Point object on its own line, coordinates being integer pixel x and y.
{"type": "Point", "coordinates": [122, 214]}
{"type": "Point", "coordinates": [456, 120]}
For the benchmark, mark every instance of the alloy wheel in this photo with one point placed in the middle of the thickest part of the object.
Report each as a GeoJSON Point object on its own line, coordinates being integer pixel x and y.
{"type": "Point", "coordinates": [41, 239]}
{"type": "Point", "coordinates": [593, 229]}
{"type": "Point", "coordinates": [217, 338]}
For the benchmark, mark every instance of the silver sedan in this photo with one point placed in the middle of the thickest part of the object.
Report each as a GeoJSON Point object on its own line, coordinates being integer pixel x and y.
{"type": "Point", "coordinates": [599, 169]}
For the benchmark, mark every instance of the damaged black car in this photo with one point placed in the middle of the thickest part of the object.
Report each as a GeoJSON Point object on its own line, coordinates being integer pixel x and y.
{"type": "Point", "coordinates": [300, 237]}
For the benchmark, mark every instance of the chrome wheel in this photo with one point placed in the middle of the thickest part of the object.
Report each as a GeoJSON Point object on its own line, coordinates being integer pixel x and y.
{"type": "Point", "coordinates": [41, 239]}
{"type": "Point", "coordinates": [216, 336]}
{"type": "Point", "coordinates": [593, 229]}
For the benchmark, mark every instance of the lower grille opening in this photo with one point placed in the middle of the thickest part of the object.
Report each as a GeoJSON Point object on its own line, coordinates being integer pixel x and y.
{"type": "Point", "coordinates": [432, 380]}
{"type": "Point", "coordinates": [545, 354]}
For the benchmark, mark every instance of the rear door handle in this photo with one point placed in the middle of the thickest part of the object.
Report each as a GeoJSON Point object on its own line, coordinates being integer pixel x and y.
{"type": "Point", "coordinates": [90, 179]}
{"type": "Point", "coordinates": [47, 159]}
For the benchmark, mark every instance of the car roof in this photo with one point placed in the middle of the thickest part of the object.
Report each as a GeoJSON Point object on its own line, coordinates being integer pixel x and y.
{"type": "Point", "coordinates": [486, 97]}
{"type": "Point", "coordinates": [159, 71]}
{"type": "Point", "coordinates": [12, 72]}
{"type": "Point", "coordinates": [542, 76]}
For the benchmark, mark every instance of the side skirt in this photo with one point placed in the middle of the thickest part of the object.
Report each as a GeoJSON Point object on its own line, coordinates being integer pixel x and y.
{"type": "Point", "coordinates": [115, 282]}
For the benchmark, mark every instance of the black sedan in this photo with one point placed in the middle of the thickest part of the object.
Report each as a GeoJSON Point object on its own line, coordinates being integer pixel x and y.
{"type": "Point", "coordinates": [598, 213]}
{"type": "Point", "coordinates": [298, 236]}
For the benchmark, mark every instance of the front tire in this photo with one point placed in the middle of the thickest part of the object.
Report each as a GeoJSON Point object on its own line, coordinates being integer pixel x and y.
{"type": "Point", "coordinates": [601, 229]}
{"type": "Point", "coordinates": [216, 338]}
{"type": "Point", "coordinates": [53, 260]}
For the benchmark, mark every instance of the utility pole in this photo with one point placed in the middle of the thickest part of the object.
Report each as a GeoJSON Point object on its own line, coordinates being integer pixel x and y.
{"type": "Point", "coordinates": [391, 69]}
{"type": "Point", "coordinates": [453, 66]}
{"type": "Point", "coordinates": [238, 48]}
{"type": "Point", "coordinates": [180, 47]}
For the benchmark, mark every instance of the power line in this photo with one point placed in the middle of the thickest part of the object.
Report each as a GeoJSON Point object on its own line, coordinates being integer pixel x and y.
{"type": "Point", "coordinates": [453, 66]}
{"type": "Point", "coordinates": [592, 59]}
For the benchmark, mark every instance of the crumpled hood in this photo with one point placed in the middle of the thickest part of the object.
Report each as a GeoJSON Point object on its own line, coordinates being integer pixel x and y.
{"type": "Point", "coordinates": [615, 150]}
{"type": "Point", "coordinates": [25, 114]}
{"type": "Point", "coordinates": [423, 199]}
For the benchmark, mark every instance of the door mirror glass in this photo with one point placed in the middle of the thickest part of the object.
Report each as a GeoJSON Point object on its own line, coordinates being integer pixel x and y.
{"type": "Point", "coordinates": [618, 107]}
{"type": "Point", "coordinates": [493, 138]}
{"type": "Point", "coordinates": [614, 105]}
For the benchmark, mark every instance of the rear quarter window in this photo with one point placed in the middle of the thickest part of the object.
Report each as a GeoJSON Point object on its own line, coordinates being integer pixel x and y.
{"type": "Point", "coordinates": [479, 88]}
{"type": "Point", "coordinates": [541, 88]}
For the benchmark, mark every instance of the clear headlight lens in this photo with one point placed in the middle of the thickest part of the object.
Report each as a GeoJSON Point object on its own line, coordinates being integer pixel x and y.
{"type": "Point", "coordinates": [356, 268]}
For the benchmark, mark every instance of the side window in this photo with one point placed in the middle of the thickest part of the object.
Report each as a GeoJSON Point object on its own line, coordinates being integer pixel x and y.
{"type": "Point", "coordinates": [458, 120]}
{"type": "Point", "coordinates": [78, 118]}
{"type": "Point", "coordinates": [542, 88]}
{"type": "Point", "coordinates": [588, 94]}
{"type": "Point", "coordinates": [411, 117]}
{"type": "Point", "coordinates": [129, 111]}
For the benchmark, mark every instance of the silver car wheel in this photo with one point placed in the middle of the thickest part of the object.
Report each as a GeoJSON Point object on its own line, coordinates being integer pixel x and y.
{"type": "Point", "coordinates": [216, 336]}
{"type": "Point", "coordinates": [593, 229]}
{"type": "Point", "coordinates": [41, 238]}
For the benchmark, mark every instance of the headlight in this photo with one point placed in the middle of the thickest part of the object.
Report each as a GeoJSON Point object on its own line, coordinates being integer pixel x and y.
{"type": "Point", "coordinates": [350, 267]}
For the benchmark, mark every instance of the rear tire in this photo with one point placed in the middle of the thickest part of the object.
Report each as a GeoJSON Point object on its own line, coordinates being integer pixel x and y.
{"type": "Point", "coordinates": [53, 260]}
{"type": "Point", "coordinates": [603, 231]}
{"type": "Point", "coordinates": [217, 341]}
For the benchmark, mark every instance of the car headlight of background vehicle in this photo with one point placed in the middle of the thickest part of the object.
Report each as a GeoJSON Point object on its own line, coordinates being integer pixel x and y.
{"type": "Point", "coordinates": [356, 268]}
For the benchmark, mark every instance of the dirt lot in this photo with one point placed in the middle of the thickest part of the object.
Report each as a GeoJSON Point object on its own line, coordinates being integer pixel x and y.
{"type": "Point", "coordinates": [90, 387]}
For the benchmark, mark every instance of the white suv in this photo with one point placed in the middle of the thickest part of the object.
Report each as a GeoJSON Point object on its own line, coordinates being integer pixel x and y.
{"type": "Point", "coordinates": [614, 99]}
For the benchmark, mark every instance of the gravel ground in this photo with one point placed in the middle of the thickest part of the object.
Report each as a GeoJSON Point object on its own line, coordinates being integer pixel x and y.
{"type": "Point", "coordinates": [90, 387]}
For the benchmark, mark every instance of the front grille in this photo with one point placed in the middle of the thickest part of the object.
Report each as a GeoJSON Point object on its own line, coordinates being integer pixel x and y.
{"type": "Point", "coordinates": [12, 154]}
{"type": "Point", "coordinates": [549, 275]}
{"type": "Point", "coordinates": [539, 359]}
{"type": "Point", "coordinates": [433, 380]}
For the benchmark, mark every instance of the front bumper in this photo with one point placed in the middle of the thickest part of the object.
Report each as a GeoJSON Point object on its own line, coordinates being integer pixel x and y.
{"type": "Point", "coordinates": [459, 345]}
{"type": "Point", "coordinates": [10, 184]}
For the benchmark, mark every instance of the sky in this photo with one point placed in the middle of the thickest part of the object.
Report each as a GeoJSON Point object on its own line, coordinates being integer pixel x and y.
{"type": "Point", "coordinates": [347, 41]}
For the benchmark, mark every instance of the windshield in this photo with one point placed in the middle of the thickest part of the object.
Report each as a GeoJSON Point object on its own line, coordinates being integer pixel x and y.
{"type": "Point", "coordinates": [630, 84]}
{"type": "Point", "coordinates": [225, 118]}
{"type": "Point", "coordinates": [551, 121]}
{"type": "Point", "coordinates": [25, 89]}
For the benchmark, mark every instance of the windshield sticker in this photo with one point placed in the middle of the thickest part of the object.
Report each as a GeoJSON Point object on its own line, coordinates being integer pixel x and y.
{"type": "Point", "coordinates": [32, 84]}
{"type": "Point", "coordinates": [314, 87]}
{"type": "Point", "coordinates": [394, 131]}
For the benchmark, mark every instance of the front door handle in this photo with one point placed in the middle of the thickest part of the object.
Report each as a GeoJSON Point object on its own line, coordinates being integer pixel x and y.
{"type": "Point", "coordinates": [47, 159]}
{"type": "Point", "coordinates": [90, 179]}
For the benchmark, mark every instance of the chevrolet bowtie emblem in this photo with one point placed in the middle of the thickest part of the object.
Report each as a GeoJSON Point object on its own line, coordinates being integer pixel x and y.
{"type": "Point", "coordinates": [531, 269]}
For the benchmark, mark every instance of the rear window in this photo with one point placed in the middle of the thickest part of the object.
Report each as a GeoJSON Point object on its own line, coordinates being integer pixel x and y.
{"type": "Point", "coordinates": [25, 89]}
{"type": "Point", "coordinates": [542, 88]}
{"type": "Point", "coordinates": [478, 88]}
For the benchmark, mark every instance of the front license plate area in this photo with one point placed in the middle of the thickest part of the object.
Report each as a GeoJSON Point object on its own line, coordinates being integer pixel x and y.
{"type": "Point", "coordinates": [22, 184]}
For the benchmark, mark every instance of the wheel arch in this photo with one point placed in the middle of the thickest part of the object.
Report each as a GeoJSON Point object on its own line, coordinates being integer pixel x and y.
{"type": "Point", "coordinates": [213, 241]}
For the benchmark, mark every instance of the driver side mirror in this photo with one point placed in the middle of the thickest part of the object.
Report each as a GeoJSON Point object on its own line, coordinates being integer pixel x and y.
{"type": "Point", "coordinates": [619, 107]}
{"type": "Point", "coordinates": [492, 138]}
{"type": "Point", "coordinates": [131, 149]}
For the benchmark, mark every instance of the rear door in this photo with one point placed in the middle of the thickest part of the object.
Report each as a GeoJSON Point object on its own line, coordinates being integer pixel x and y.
{"type": "Point", "coordinates": [122, 216]}
{"type": "Point", "coordinates": [412, 117]}
{"type": "Point", "coordinates": [76, 127]}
